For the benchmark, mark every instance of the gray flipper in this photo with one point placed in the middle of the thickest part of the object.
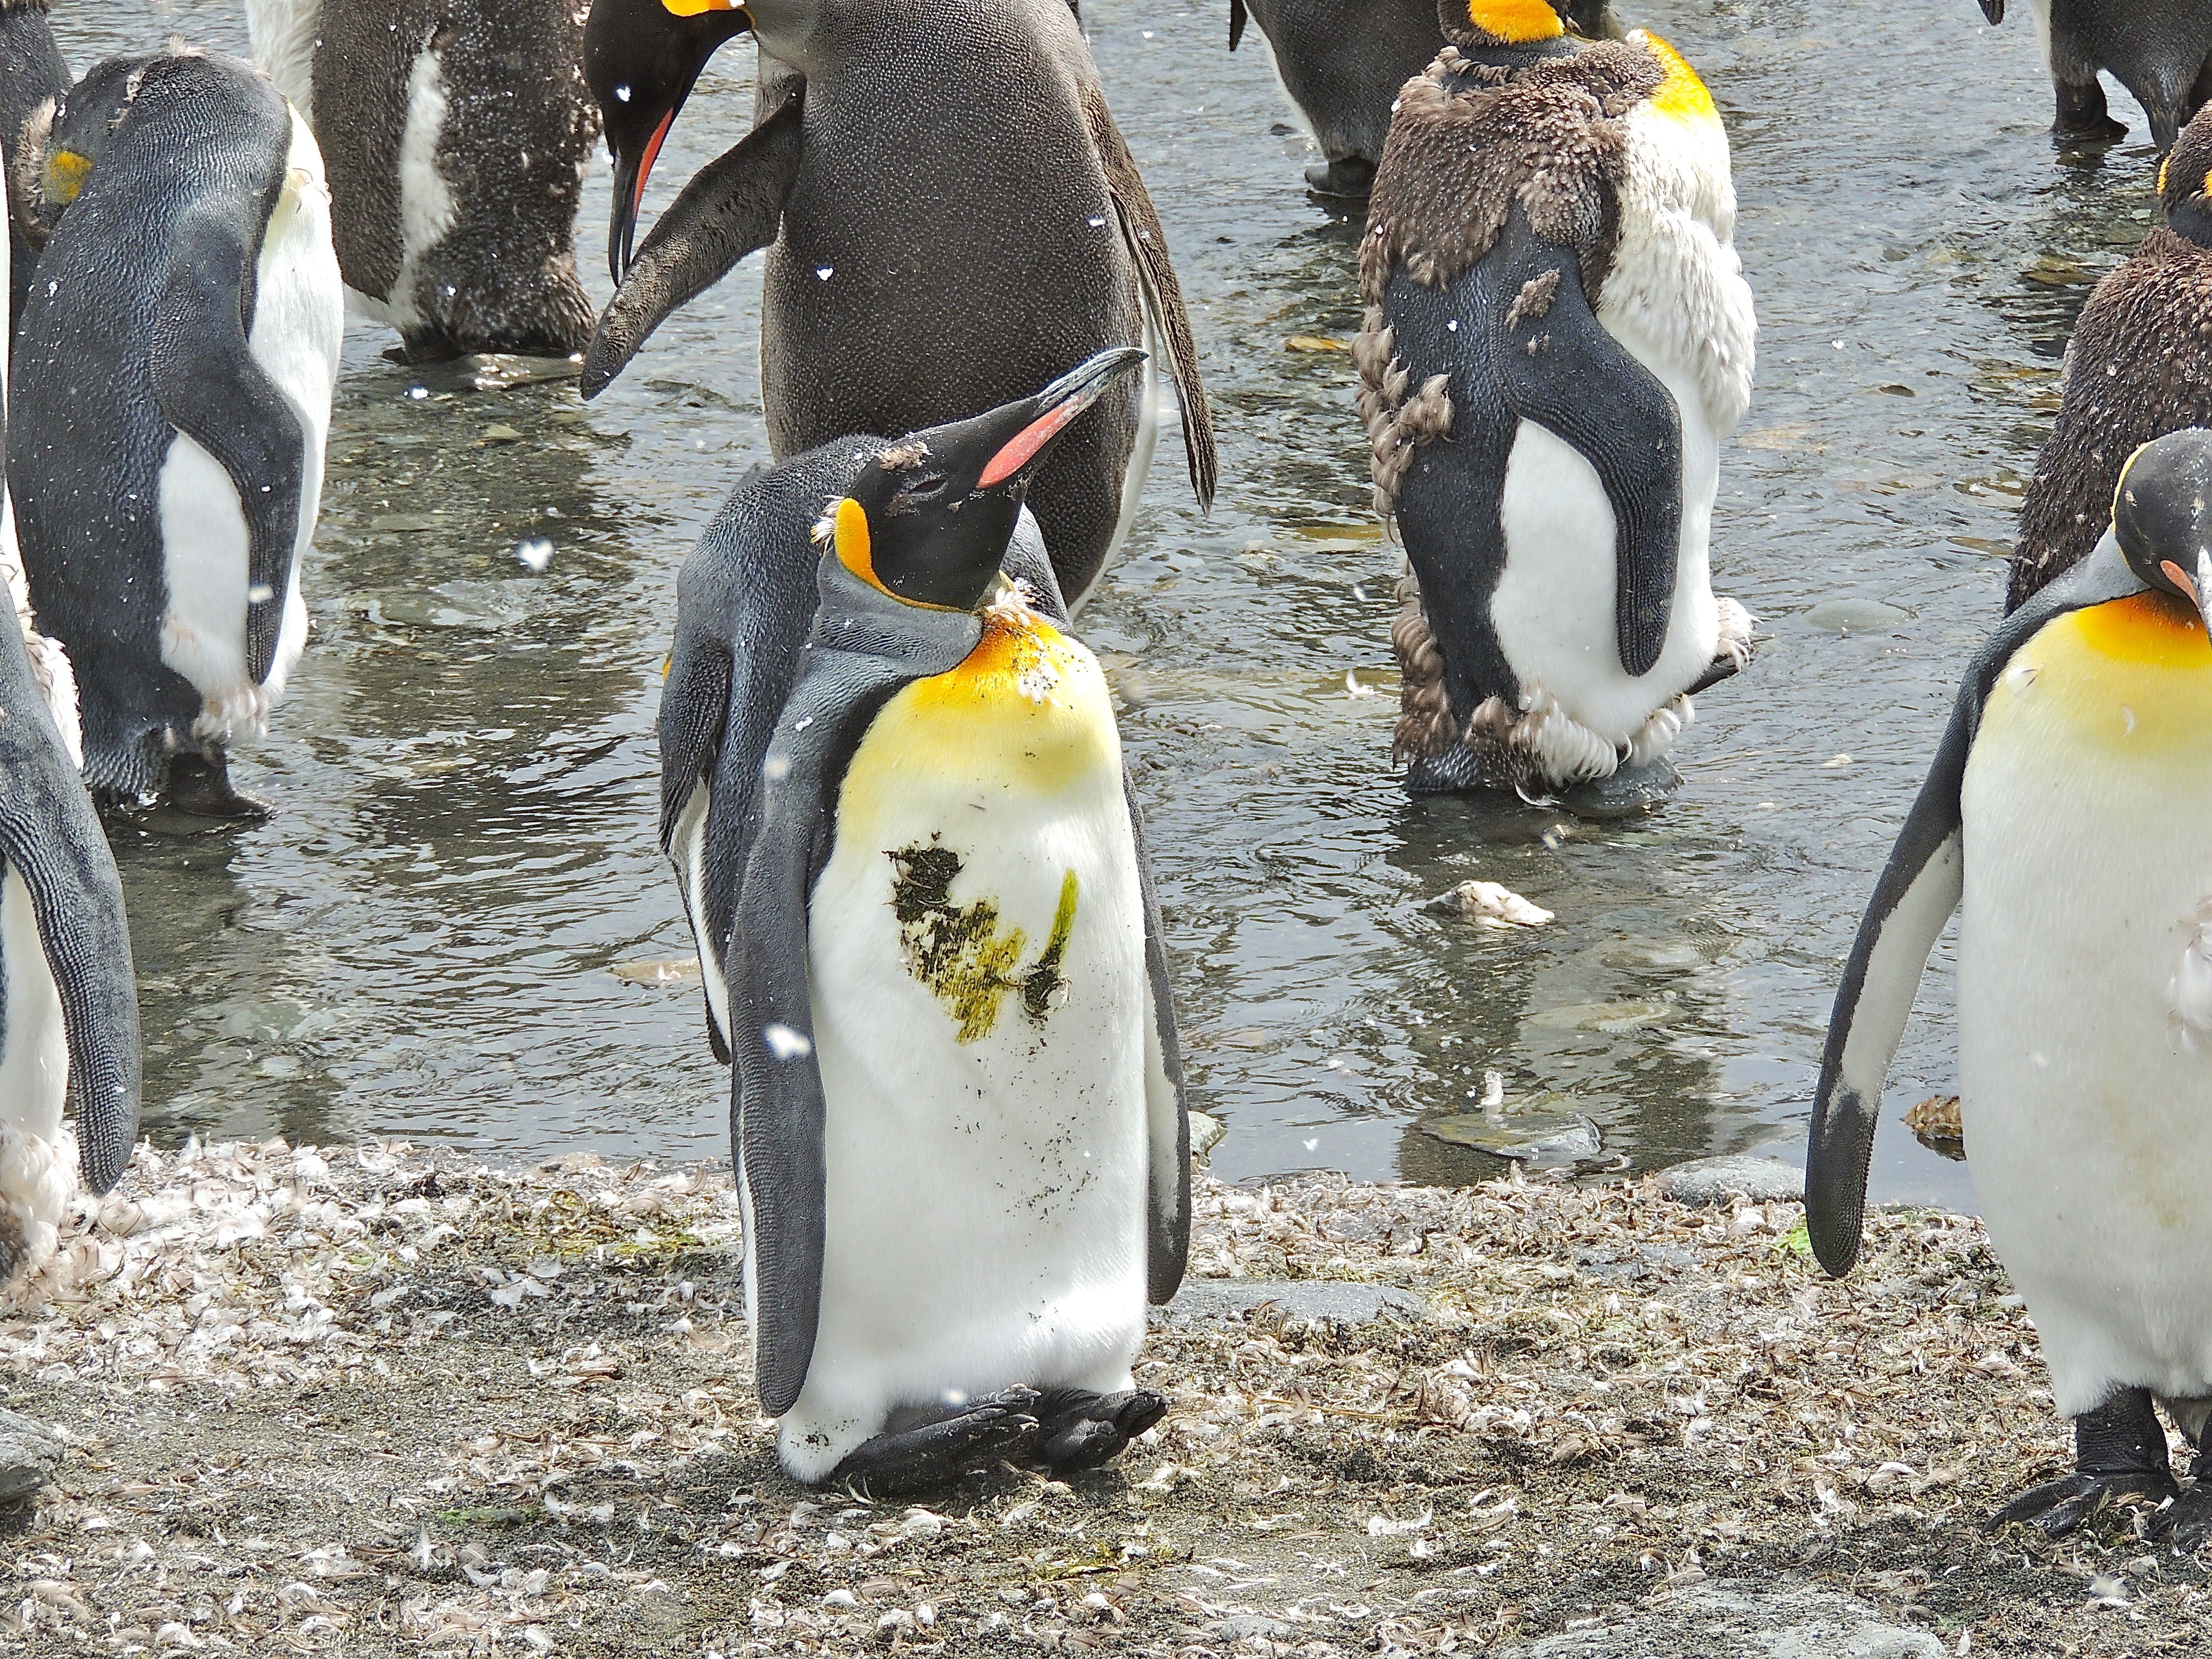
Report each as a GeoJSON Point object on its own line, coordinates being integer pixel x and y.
{"type": "Point", "coordinates": [864, 646]}
{"type": "Point", "coordinates": [211, 388]}
{"type": "Point", "coordinates": [1912, 902]}
{"type": "Point", "coordinates": [733, 207]}
{"type": "Point", "coordinates": [51, 835]}
{"type": "Point", "coordinates": [1167, 1107]}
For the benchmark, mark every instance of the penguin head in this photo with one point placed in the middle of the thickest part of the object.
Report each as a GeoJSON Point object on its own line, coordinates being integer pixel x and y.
{"type": "Point", "coordinates": [1493, 23]}
{"type": "Point", "coordinates": [642, 58]}
{"type": "Point", "coordinates": [62, 141]}
{"type": "Point", "coordinates": [2182, 183]}
{"type": "Point", "coordinates": [928, 519]}
{"type": "Point", "coordinates": [2162, 517]}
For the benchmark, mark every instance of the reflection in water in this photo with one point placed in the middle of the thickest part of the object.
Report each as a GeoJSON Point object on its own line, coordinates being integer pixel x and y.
{"type": "Point", "coordinates": [424, 941]}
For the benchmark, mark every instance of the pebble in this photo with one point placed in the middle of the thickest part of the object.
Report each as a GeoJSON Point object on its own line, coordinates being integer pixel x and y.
{"type": "Point", "coordinates": [1629, 792]}
{"type": "Point", "coordinates": [1717, 1180]}
{"type": "Point", "coordinates": [30, 1456]}
{"type": "Point", "coordinates": [1774, 1622]}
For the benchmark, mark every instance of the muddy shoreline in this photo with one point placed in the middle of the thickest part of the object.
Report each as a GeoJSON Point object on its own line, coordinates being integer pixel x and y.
{"type": "Point", "coordinates": [381, 1399]}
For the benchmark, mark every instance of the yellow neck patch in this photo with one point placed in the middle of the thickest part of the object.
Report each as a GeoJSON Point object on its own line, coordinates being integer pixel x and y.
{"type": "Point", "coordinates": [1020, 656]}
{"type": "Point", "coordinates": [65, 175]}
{"type": "Point", "coordinates": [694, 7]}
{"type": "Point", "coordinates": [1682, 95]}
{"type": "Point", "coordinates": [2154, 629]}
{"type": "Point", "coordinates": [1517, 22]}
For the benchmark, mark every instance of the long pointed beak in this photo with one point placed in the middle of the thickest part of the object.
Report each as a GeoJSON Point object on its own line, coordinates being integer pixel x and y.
{"type": "Point", "coordinates": [1053, 409]}
{"type": "Point", "coordinates": [632, 173]}
{"type": "Point", "coordinates": [2203, 586]}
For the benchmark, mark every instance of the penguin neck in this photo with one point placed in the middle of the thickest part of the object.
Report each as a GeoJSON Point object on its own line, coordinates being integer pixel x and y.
{"type": "Point", "coordinates": [2191, 219]}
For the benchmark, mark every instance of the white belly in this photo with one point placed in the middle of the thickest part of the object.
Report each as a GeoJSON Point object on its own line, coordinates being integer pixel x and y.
{"type": "Point", "coordinates": [688, 849]}
{"type": "Point", "coordinates": [985, 1196]}
{"type": "Point", "coordinates": [38, 1157]}
{"type": "Point", "coordinates": [299, 322]}
{"type": "Point", "coordinates": [426, 199]}
{"type": "Point", "coordinates": [2088, 1123]}
{"type": "Point", "coordinates": [1140, 454]}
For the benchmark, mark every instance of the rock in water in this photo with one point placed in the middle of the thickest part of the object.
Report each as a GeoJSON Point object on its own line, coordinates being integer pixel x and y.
{"type": "Point", "coordinates": [1936, 1120]}
{"type": "Point", "coordinates": [1717, 1180]}
{"type": "Point", "coordinates": [30, 1456]}
{"type": "Point", "coordinates": [1490, 904]}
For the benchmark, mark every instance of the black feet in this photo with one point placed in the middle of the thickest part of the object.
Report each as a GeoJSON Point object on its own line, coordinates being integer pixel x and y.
{"type": "Point", "coordinates": [1347, 178]}
{"type": "Point", "coordinates": [2120, 1451]}
{"type": "Point", "coordinates": [2187, 1522]}
{"type": "Point", "coordinates": [1068, 1429]}
{"type": "Point", "coordinates": [200, 788]}
{"type": "Point", "coordinates": [2081, 116]}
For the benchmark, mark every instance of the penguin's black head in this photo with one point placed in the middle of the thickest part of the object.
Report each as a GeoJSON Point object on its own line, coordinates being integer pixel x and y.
{"type": "Point", "coordinates": [61, 140]}
{"type": "Point", "coordinates": [929, 519]}
{"type": "Point", "coordinates": [642, 58]}
{"type": "Point", "coordinates": [2182, 184]}
{"type": "Point", "coordinates": [2162, 516]}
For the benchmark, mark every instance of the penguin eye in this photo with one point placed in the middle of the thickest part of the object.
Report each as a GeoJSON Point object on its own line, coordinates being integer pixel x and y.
{"type": "Point", "coordinates": [919, 492]}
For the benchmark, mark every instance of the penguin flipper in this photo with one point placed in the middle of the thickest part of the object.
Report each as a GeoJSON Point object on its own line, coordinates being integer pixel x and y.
{"type": "Point", "coordinates": [1237, 20]}
{"type": "Point", "coordinates": [1148, 246]}
{"type": "Point", "coordinates": [1919, 888]}
{"type": "Point", "coordinates": [211, 388]}
{"type": "Point", "coordinates": [733, 207]}
{"type": "Point", "coordinates": [52, 837]}
{"type": "Point", "coordinates": [1558, 367]}
{"type": "Point", "coordinates": [1167, 1104]}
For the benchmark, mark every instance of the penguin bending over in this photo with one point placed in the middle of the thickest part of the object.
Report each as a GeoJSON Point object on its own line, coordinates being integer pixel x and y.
{"type": "Point", "coordinates": [918, 269]}
{"type": "Point", "coordinates": [456, 139]}
{"type": "Point", "coordinates": [2159, 50]}
{"type": "Point", "coordinates": [1343, 61]}
{"type": "Point", "coordinates": [2139, 366]}
{"type": "Point", "coordinates": [2064, 817]}
{"type": "Point", "coordinates": [916, 870]}
{"type": "Point", "coordinates": [31, 73]}
{"type": "Point", "coordinates": [69, 1000]}
{"type": "Point", "coordinates": [173, 391]}
{"type": "Point", "coordinates": [1558, 335]}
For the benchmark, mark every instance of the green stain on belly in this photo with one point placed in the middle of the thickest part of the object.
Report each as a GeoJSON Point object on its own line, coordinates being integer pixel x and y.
{"type": "Point", "coordinates": [957, 950]}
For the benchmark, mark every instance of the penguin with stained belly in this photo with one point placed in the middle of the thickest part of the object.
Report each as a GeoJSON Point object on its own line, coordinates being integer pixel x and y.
{"type": "Point", "coordinates": [2159, 50]}
{"type": "Point", "coordinates": [918, 269]}
{"type": "Point", "coordinates": [1558, 337]}
{"type": "Point", "coordinates": [1343, 61]}
{"type": "Point", "coordinates": [2062, 817]}
{"type": "Point", "coordinates": [31, 72]}
{"type": "Point", "coordinates": [456, 139]}
{"type": "Point", "coordinates": [959, 1116]}
{"type": "Point", "coordinates": [172, 391]}
{"type": "Point", "coordinates": [2139, 364]}
{"type": "Point", "coordinates": [69, 1001]}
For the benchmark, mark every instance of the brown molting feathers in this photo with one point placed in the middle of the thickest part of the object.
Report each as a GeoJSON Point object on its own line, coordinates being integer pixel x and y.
{"type": "Point", "coordinates": [1425, 726]}
{"type": "Point", "coordinates": [26, 195]}
{"type": "Point", "coordinates": [904, 456]}
{"type": "Point", "coordinates": [1396, 424]}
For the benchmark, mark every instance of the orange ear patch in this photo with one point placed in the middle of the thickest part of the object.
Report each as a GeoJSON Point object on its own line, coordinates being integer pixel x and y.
{"type": "Point", "coordinates": [855, 552]}
{"type": "Point", "coordinates": [1515, 20]}
{"type": "Point", "coordinates": [693, 8]}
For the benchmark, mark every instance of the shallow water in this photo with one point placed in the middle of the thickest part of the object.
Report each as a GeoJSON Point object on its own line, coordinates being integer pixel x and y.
{"type": "Point", "coordinates": [458, 924]}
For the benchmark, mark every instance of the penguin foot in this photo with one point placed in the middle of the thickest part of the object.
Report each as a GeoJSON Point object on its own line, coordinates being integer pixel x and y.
{"type": "Point", "coordinates": [2060, 1506]}
{"type": "Point", "coordinates": [1348, 177]}
{"type": "Point", "coordinates": [200, 788]}
{"type": "Point", "coordinates": [2187, 1523]}
{"type": "Point", "coordinates": [2120, 1451]}
{"type": "Point", "coordinates": [2082, 118]}
{"type": "Point", "coordinates": [995, 1426]}
{"type": "Point", "coordinates": [1082, 1429]}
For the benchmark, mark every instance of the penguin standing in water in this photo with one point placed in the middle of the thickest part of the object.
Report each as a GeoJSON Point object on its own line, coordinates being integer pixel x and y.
{"type": "Point", "coordinates": [960, 1130]}
{"type": "Point", "coordinates": [31, 73]}
{"type": "Point", "coordinates": [69, 1001]}
{"type": "Point", "coordinates": [2159, 50]}
{"type": "Point", "coordinates": [2064, 817]}
{"type": "Point", "coordinates": [1343, 61]}
{"type": "Point", "coordinates": [173, 391]}
{"type": "Point", "coordinates": [2139, 366]}
{"type": "Point", "coordinates": [456, 140]}
{"type": "Point", "coordinates": [919, 268]}
{"type": "Point", "coordinates": [1558, 335]}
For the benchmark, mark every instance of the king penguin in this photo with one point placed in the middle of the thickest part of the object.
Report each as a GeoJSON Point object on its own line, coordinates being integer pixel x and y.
{"type": "Point", "coordinates": [32, 72]}
{"type": "Point", "coordinates": [2139, 364]}
{"type": "Point", "coordinates": [2062, 818]}
{"type": "Point", "coordinates": [1343, 61]}
{"type": "Point", "coordinates": [918, 269]}
{"type": "Point", "coordinates": [1558, 337]}
{"type": "Point", "coordinates": [2159, 50]}
{"type": "Point", "coordinates": [957, 1112]}
{"type": "Point", "coordinates": [69, 1001]}
{"type": "Point", "coordinates": [172, 384]}
{"type": "Point", "coordinates": [456, 140]}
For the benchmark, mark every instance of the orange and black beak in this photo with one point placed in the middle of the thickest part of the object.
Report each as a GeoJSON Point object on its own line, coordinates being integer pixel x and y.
{"type": "Point", "coordinates": [642, 58]}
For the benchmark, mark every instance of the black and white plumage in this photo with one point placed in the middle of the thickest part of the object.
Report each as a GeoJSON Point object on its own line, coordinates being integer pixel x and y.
{"type": "Point", "coordinates": [32, 72]}
{"type": "Point", "coordinates": [894, 796]}
{"type": "Point", "coordinates": [172, 391]}
{"type": "Point", "coordinates": [918, 269]}
{"type": "Point", "coordinates": [455, 139]}
{"type": "Point", "coordinates": [2159, 50]}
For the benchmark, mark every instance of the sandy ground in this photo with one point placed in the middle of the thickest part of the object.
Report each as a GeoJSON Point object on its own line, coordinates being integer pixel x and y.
{"type": "Point", "coordinates": [378, 1402]}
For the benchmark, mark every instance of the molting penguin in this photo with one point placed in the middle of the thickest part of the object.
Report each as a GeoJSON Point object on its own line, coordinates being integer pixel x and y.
{"type": "Point", "coordinates": [2159, 49]}
{"type": "Point", "coordinates": [2063, 816]}
{"type": "Point", "coordinates": [2139, 366]}
{"type": "Point", "coordinates": [69, 1003]}
{"type": "Point", "coordinates": [1343, 61]}
{"type": "Point", "coordinates": [1558, 335]}
{"type": "Point", "coordinates": [31, 73]}
{"type": "Point", "coordinates": [960, 1132]}
{"type": "Point", "coordinates": [172, 391]}
{"type": "Point", "coordinates": [456, 140]}
{"type": "Point", "coordinates": [922, 268]}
